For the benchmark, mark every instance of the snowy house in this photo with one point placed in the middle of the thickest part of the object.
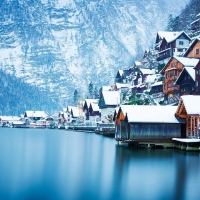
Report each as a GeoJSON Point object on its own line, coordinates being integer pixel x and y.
{"type": "Point", "coordinates": [35, 115]}
{"type": "Point", "coordinates": [94, 112]}
{"type": "Point", "coordinates": [109, 100]}
{"type": "Point", "coordinates": [86, 106]}
{"type": "Point", "coordinates": [195, 25]}
{"type": "Point", "coordinates": [171, 72]}
{"type": "Point", "coordinates": [157, 87]}
{"type": "Point", "coordinates": [169, 44]}
{"type": "Point", "coordinates": [63, 117]}
{"type": "Point", "coordinates": [189, 109]}
{"type": "Point", "coordinates": [75, 113]}
{"type": "Point", "coordinates": [194, 49]}
{"type": "Point", "coordinates": [186, 81]}
{"type": "Point", "coordinates": [148, 124]}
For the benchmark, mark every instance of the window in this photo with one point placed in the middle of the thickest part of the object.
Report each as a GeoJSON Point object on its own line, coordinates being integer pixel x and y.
{"type": "Point", "coordinates": [196, 83]}
{"type": "Point", "coordinates": [197, 51]}
{"type": "Point", "coordinates": [181, 42]}
{"type": "Point", "coordinates": [174, 64]}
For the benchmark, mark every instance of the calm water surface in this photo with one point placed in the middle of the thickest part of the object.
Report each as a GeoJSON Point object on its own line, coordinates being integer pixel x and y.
{"type": "Point", "coordinates": [59, 164]}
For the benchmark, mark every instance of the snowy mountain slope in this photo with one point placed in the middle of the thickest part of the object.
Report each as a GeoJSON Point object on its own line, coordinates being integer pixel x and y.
{"type": "Point", "coordinates": [61, 45]}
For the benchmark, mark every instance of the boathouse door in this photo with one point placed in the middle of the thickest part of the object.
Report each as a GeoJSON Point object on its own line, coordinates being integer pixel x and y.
{"type": "Point", "coordinates": [123, 130]}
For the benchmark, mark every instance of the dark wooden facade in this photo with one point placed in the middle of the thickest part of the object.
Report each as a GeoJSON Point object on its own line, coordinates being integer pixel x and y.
{"type": "Point", "coordinates": [186, 83]}
{"type": "Point", "coordinates": [167, 48]}
{"type": "Point", "coordinates": [197, 79]}
{"type": "Point", "coordinates": [126, 131]}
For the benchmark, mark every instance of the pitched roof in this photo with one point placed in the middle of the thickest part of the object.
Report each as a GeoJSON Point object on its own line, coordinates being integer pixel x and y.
{"type": "Point", "coordinates": [95, 106]}
{"type": "Point", "coordinates": [75, 111]}
{"type": "Point", "coordinates": [106, 88]}
{"type": "Point", "coordinates": [171, 36]}
{"type": "Point", "coordinates": [35, 114]}
{"type": "Point", "coordinates": [88, 101]}
{"type": "Point", "coordinates": [122, 85]}
{"type": "Point", "coordinates": [191, 46]}
{"type": "Point", "coordinates": [191, 103]}
{"type": "Point", "coordinates": [192, 62]}
{"type": "Point", "coordinates": [111, 97]}
{"type": "Point", "coordinates": [147, 71]}
{"type": "Point", "coordinates": [150, 114]}
{"type": "Point", "coordinates": [157, 83]}
{"type": "Point", "coordinates": [187, 62]}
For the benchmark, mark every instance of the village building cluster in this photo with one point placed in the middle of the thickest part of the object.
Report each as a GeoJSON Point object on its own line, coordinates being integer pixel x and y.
{"type": "Point", "coordinates": [156, 99]}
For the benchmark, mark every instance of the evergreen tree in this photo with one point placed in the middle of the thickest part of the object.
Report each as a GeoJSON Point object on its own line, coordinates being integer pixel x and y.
{"type": "Point", "coordinates": [75, 97]}
{"type": "Point", "coordinates": [96, 93]}
{"type": "Point", "coordinates": [91, 90]}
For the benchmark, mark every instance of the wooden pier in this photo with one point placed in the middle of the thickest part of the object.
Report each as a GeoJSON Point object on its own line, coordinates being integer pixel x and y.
{"type": "Point", "coordinates": [187, 144]}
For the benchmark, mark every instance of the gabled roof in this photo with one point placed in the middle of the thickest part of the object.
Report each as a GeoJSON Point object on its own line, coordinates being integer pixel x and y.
{"type": "Point", "coordinates": [75, 112]}
{"type": "Point", "coordinates": [150, 114]}
{"type": "Point", "coordinates": [35, 114]}
{"type": "Point", "coordinates": [191, 104]}
{"type": "Point", "coordinates": [191, 46]}
{"type": "Point", "coordinates": [122, 85]}
{"type": "Point", "coordinates": [95, 107]}
{"type": "Point", "coordinates": [111, 97]}
{"type": "Point", "coordinates": [89, 101]}
{"type": "Point", "coordinates": [190, 71]}
{"type": "Point", "coordinates": [9, 118]}
{"type": "Point", "coordinates": [147, 71]}
{"type": "Point", "coordinates": [106, 88]}
{"type": "Point", "coordinates": [187, 62]}
{"type": "Point", "coordinates": [157, 83]}
{"type": "Point", "coordinates": [170, 36]}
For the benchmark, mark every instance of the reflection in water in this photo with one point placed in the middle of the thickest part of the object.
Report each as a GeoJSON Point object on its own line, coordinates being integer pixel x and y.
{"type": "Point", "coordinates": [55, 164]}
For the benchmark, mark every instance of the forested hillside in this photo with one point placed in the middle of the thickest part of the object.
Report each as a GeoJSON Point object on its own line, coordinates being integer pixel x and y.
{"type": "Point", "coordinates": [16, 97]}
{"type": "Point", "coordinates": [183, 21]}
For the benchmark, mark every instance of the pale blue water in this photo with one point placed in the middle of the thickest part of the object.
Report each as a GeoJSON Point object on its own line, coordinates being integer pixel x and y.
{"type": "Point", "coordinates": [59, 164]}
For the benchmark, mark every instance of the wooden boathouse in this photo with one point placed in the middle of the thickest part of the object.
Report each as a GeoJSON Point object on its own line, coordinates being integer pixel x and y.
{"type": "Point", "coordinates": [151, 125]}
{"type": "Point", "coordinates": [189, 109]}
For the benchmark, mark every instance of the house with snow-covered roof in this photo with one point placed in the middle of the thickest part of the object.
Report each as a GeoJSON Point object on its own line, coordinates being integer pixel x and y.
{"type": "Point", "coordinates": [169, 44]}
{"type": "Point", "coordinates": [189, 109]}
{"type": "Point", "coordinates": [195, 25]}
{"type": "Point", "coordinates": [86, 106]}
{"type": "Point", "coordinates": [94, 112]}
{"type": "Point", "coordinates": [171, 72]}
{"type": "Point", "coordinates": [35, 115]}
{"type": "Point", "coordinates": [108, 101]}
{"type": "Point", "coordinates": [136, 123]}
{"type": "Point", "coordinates": [197, 78]}
{"type": "Point", "coordinates": [186, 81]}
{"type": "Point", "coordinates": [194, 49]}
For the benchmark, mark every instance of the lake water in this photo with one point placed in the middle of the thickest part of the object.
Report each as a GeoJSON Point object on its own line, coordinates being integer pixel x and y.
{"type": "Point", "coordinates": [58, 164]}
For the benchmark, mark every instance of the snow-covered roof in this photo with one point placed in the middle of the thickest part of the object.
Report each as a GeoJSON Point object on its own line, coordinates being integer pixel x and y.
{"type": "Point", "coordinates": [111, 97]}
{"type": "Point", "coordinates": [150, 78]}
{"type": "Point", "coordinates": [138, 63]}
{"type": "Point", "coordinates": [106, 88]}
{"type": "Point", "coordinates": [198, 15]}
{"type": "Point", "coordinates": [35, 114]}
{"type": "Point", "coordinates": [122, 85]}
{"type": "Point", "coordinates": [89, 101]}
{"type": "Point", "coordinates": [169, 35]}
{"type": "Point", "coordinates": [150, 114]}
{"type": "Point", "coordinates": [187, 61]}
{"type": "Point", "coordinates": [121, 72]}
{"type": "Point", "coordinates": [191, 72]}
{"type": "Point", "coordinates": [157, 83]}
{"type": "Point", "coordinates": [147, 71]}
{"type": "Point", "coordinates": [191, 103]}
{"type": "Point", "coordinates": [95, 106]}
{"type": "Point", "coordinates": [75, 111]}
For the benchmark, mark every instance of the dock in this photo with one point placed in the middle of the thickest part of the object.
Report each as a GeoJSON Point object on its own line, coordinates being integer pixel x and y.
{"type": "Point", "coordinates": [187, 144]}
